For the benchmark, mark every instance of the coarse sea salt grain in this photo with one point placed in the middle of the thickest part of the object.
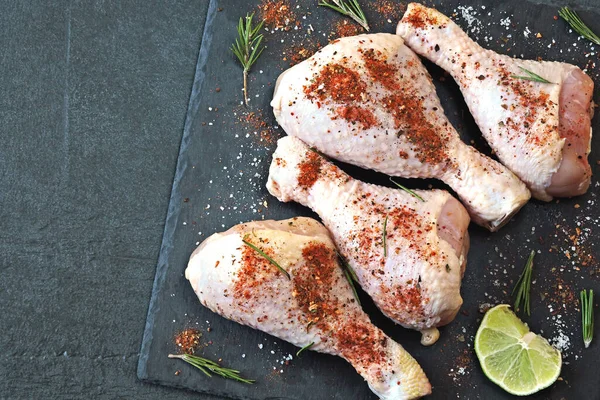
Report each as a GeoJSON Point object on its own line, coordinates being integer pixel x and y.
{"type": "Point", "coordinates": [468, 15]}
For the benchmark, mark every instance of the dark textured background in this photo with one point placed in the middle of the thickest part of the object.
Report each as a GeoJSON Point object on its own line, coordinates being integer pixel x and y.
{"type": "Point", "coordinates": [94, 96]}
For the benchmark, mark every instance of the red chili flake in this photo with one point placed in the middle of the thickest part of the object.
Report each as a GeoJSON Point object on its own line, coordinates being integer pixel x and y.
{"type": "Point", "coordinates": [380, 70]}
{"type": "Point", "coordinates": [420, 18]}
{"type": "Point", "coordinates": [256, 121]}
{"type": "Point", "coordinates": [310, 170]}
{"type": "Point", "coordinates": [277, 14]}
{"type": "Point", "coordinates": [388, 9]}
{"type": "Point", "coordinates": [188, 340]}
{"type": "Point", "coordinates": [406, 298]}
{"type": "Point", "coordinates": [345, 28]}
{"type": "Point", "coordinates": [314, 280]}
{"type": "Point", "coordinates": [407, 223]}
{"type": "Point", "coordinates": [255, 270]}
{"type": "Point", "coordinates": [356, 339]}
{"type": "Point", "coordinates": [366, 238]}
{"type": "Point", "coordinates": [531, 101]}
{"type": "Point", "coordinates": [338, 83]}
{"type": "Point", "coordinates": [361, 343]}
{"type": "Point", "coordinates": [298, 54]}
{"type": "Point", "coordinates": [411, 296]}
{"type": "Point", "coordinates": [408, 111]}
{"type": "Point", "coordinates": [358, 115]}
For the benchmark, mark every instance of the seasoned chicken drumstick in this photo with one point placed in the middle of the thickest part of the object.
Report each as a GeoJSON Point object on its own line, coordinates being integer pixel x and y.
{"type": "Point", "coordinates": [541, 131]}
{"type": "Point", "coordinates": [409, 255]}
{"type": "Point", "coordinates": [315, 304]}
{"type": "Point", "coordinates": [368, 100]}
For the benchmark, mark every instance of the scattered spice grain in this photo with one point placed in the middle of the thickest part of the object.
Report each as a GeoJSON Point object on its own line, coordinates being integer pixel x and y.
{"type": "Point", "coordinates": [309, 170]}
{"type": "Point", "coordinates": [188, 340]}
{"type": "Point", "coordinates": [338, 83]}
{"type": "Point", "coordinates": [277, 14]}
{"type": "Point", "coordinates": [344, 28]}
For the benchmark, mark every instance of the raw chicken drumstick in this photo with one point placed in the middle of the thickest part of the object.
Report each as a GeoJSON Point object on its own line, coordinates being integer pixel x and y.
{"type": "Point", "coordinates": [408, 255]}
{"type": "Point", "coordinates": [368, 100]}
{"type": "Point", "coordinates": [541, 131]}
{"type": "Point", "coordinates": [315, 304]}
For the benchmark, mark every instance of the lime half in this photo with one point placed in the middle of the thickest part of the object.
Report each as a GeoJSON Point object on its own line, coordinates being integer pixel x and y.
{"type": "Point", "coordinates": [517, 360]}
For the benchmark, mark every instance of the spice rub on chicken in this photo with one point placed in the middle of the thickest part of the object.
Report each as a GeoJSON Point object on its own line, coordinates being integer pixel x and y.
{"type": "Point", "coordinates": [408, 254]}
{"type": "Point", "coordinates": [540, 130]}
{"type": "Point", "coordinates": [367, 100]}
{"type": "Point", "coordinates": [283, 277]}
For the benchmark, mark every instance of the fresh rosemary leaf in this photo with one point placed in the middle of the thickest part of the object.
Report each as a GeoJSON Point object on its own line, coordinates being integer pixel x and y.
{"type": "Point", "coordinates": [262, 253]}
{"type": "Point", "coordinates": [407, 190]}
{"type": "Point", "coordinates": [384, 236]}
{"type": "Point", "coordinates": [247, 47]}
{"type": "Point", "coordinates": [577, 24]}
{"type": "Point", "coordinates": [530, 76]}
{"type": "Point", "coordinates": [308, 346]}
{"type": "Point", "coordinates": [349, 8]}
{"type": "Point", "coordinates": [349, 279]}
{"type": "Point", "coordinates": [205, 365]}
{"type": "Point", "coordinates": [523, 287]}
{"type": "Point", "coordinates": [347, 266]}
{"type": "Point", "coordinates": [587, 316]}
{"type": "Point", "coordinates": [350, 276]}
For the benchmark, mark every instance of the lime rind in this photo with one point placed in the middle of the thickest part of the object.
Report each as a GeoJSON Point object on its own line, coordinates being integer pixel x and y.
{"type": "Point", "coordinates": [512, 357]}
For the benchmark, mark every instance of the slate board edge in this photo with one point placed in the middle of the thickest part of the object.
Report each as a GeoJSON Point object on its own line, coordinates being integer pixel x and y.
{"type": "Point", "coordinates": [174, 201]}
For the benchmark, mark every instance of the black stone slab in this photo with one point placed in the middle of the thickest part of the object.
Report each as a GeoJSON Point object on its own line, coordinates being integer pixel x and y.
{"type": "Point", "coordinates": [220, 179]}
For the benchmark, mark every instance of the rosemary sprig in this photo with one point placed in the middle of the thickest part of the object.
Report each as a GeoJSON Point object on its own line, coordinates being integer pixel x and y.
{"type": "Point", "coordinates": [349, 268]}
{"type": "Point", "coordinates": [587, 316]}
{"type": "Point", "coordinates": [308, 346]}
{"type": "Point", "coordinates": [407, 190]}
{"type": "Point", "coordinates": [350, 276]}
{"type": "Point", "coordinates": [577, 24]}
{"type": "Point", "coordinates": [349, 8]}
{"type": "Point", "coordinates": [523, 286]}
{"type": "Point", "coordinates": [205, 365]}
{"type": "Point", "coordinates": [384, 236]}
{"type": "Point", "coordinates": [262, 253]}
{"type": "Point", "coordinates": [247, 46]}
{"type": "Point", "coordinates": [530, 76]}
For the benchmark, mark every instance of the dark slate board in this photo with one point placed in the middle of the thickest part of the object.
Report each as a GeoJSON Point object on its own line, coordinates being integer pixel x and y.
{"type": "Point", "coordinates": [224, 163]}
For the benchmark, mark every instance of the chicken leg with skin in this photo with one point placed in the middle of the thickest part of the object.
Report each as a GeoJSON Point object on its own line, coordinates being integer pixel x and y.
{"type": "Point", "coordinates": [367, 100]}
{"type": "Point", "coordinates": [408, 255]}
{"type": "Point", "coordinates": [314, 305]}
{"type": "Point", "coordinates": [541, 131]}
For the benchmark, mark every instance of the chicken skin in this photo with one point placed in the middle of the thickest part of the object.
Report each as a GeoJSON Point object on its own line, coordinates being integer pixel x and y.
{"type": "Point", "coordinates": [311, 302]}
{"type": "Point", "coordinates": [367, 100]}
{"type": "Point", "coordinates": [408, 254]}
{"type": "Point", "coordinates": [541, 131]}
